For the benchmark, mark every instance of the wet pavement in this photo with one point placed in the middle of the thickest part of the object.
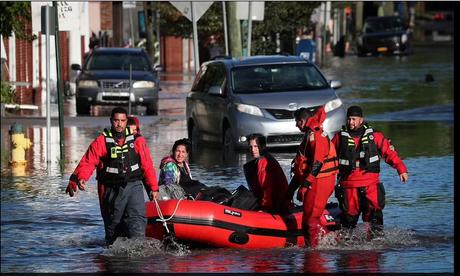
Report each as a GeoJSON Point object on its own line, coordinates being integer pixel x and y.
{"type": "Point", "coordinates": [416, 115]}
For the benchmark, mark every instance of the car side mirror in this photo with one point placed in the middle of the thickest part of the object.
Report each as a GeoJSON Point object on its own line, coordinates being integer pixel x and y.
{"type": "Point", "coordinates": [158, 68]}
{"type": "Point", "coordinates": [75, 67]}
{"type": "Point", "coordinates": [215, 90]}
{"type": "Point", "coordinates": [335, 84]}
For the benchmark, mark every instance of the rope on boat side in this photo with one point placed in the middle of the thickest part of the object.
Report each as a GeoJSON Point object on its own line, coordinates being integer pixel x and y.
{"type": "Point", "coordinates": [160, 214]}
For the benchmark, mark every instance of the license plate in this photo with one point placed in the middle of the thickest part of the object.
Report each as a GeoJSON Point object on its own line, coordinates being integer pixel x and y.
{"type": "Point", "coordinates": [382, 49]}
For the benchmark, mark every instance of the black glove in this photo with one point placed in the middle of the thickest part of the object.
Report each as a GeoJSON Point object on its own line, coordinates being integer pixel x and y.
{"type": "Point", "coordinates": [307, 184]}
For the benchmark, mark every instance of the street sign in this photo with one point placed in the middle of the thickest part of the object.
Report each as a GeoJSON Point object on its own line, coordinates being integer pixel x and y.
{"type": "Point", "coordinates": [257, 11]}
{"type": "Point", "coordinates": [51, 20]}
{"type": "Point", "coordinates": [129, 4]}
{"type": "Point", "coordinates": [186, 8]}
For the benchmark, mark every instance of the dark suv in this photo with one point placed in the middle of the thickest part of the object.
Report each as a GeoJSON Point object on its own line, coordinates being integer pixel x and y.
{"type": "Point", "coordinates": [105, 80]}
{"type": "Point", "coordinates": [234, 97]}
{"type": "Point", "coordinates": [384, 35]}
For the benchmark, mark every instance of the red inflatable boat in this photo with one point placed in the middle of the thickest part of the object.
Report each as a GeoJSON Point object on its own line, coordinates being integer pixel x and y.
{"type": "Point", "coordinates": [212, 224]}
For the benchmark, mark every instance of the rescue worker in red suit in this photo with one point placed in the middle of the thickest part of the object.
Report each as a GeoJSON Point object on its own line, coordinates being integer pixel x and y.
{"type": "Point", "coordinates": [314, 169]}
{"type": "Point", "coordinates": [122, 161]}
{"type": "Point", "coordinates": [266, 178]}
{"type": "Point", "coordinates": [359, 190]}
{"type": "Point", "coordinates": [134, 125]}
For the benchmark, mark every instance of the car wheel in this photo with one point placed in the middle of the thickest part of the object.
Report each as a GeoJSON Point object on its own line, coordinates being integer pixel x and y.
{"type": "Point", "coordinates": [152, 109]}
{"type": "Point", "coordinates": [194, 136]}
{"type": "Point", "coordinates": [360, 53]}
{"type": "Point", "coordinates": [83, 107]}
{"type": "Point", "coordinates": [228, 142]}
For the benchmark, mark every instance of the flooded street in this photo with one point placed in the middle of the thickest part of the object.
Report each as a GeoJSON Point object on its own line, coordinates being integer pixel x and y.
{"type": "Point", "coordinates": [44, 230]}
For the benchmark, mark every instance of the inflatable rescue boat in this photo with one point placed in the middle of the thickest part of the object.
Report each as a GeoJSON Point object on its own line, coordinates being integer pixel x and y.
{"type": "Point", "coordinates": [212, 224]}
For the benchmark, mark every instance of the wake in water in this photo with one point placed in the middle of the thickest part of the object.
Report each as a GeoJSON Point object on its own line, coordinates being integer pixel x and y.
{"type": "Point", "coordinates": [359, 239]}
{"type": "Point", "coordinates": [145, 247]}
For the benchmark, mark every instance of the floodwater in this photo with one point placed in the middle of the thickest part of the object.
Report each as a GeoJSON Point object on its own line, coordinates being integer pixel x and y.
{"type": "Point", "coordinates": [44, 230]}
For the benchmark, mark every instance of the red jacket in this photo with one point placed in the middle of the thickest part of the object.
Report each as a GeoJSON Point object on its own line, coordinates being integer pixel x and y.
{"type": "Point", "coordinates": [98, 150]}
{"type": "Point", "coordinates": [360, 177]}
{"type": "Point", "coordinates": [268, 183]}
{"type": "Point", "coordinates": [315, 149]}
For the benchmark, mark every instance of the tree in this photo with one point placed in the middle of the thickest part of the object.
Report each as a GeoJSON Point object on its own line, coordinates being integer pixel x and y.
{"type": "Point", "coordinates": [14, 17]}
{"type": "Point", "coordinates": [150, 45]}
{"type": "Point", "coordinates": [282, 17]}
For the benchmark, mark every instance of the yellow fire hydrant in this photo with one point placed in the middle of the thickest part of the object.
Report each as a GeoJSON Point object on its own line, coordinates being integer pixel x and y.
{"type": "Point", "coordinates": [19, 145]}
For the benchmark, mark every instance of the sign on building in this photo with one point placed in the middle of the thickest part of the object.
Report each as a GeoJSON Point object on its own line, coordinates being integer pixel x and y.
{"type": "Point", "coordinates": [129, 4]}
{"type": "Point", "coordinates": [186, 8]}
{"type": "Point", "coordinates": [257, 11]}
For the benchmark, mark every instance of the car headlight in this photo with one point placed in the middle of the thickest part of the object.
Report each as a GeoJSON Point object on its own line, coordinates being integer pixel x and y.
{"type": "Point", "coordinates": [331, 105]}
{"type": "Point", "coordinates": [87, 83]}
{"type": "Point", "coordinates": [143, 84]}
{"type": "Point", "coordinates": [404, 38]}
{"type": "Point", "coordinates": [249, 109]}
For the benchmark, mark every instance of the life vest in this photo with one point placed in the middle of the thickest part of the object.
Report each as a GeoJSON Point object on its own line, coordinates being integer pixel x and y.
{"type": "Point", "coordinates": [121, 163]}
{"type": "Point", "coordinates": [301, 165]}
{"type": "Point", "coordinates": [365, 156]}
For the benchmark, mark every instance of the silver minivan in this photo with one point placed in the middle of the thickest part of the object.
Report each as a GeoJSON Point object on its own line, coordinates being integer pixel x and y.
{"type": "Point", "coordinates": [232, 98]}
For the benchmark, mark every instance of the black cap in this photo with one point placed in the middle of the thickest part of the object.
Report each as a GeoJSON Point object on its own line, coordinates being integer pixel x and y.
{"type": "Point", "coordinates": [355, 111]}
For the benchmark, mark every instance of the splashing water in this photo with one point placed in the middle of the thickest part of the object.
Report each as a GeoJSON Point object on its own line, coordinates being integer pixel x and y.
{"type": "Point", "coordinates": [145, 247]}
{"type": "Point", "coordinates": [360, 238]}
{"type": "Point", "coordinates": [170, 245]}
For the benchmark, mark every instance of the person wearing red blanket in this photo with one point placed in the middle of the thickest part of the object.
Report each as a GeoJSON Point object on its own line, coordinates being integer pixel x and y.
{"type": "Point", "coordinates": [266, 178]}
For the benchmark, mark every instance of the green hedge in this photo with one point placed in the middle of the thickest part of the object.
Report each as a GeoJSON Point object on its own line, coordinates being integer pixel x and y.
{"type": "Point", "coordinates": [7, 93]}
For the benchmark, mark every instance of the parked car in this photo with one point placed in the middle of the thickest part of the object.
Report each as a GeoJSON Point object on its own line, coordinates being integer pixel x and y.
{"type": "Point", "coordinates": [384, 35]}
{"type": "Point", "coordinates": [105, 80]}
{"type": "Point", "coordinates": [232, 98]}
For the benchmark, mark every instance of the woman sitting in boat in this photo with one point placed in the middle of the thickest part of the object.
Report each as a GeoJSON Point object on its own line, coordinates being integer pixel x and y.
{"type": "Point", "coordinates": [175, 177]}
{"type": "Point", "coordinates": [266, 178]}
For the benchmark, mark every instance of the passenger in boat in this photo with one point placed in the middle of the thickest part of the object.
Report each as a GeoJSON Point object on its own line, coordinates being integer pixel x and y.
{"type": "Point", "coordinates": [175, 179]}
{"type": "Point", "coordinates": [266, 178]}
{"type": "Point", "coordinates": [135, 126]}
{"type": "Point", "coordinates": [359, 190]}
{"type": "Point", "coordinates": [123, 162]}
{"type": "Point", "coordinates": [315, 168]}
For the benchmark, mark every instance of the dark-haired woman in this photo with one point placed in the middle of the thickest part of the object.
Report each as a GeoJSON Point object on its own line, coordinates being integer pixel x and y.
{"type": "Point", "coordinates": [265, 177]}
{"type": "Point", "coordinates": [175, 177]}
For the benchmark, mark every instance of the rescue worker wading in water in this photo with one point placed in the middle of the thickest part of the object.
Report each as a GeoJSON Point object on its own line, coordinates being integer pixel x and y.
{"type": "Point", "coordinates": [122, 161]}
{"type": "Point", "coordinates": [359, 189]}
{"type": "Point", "coordinates": [315, 168]}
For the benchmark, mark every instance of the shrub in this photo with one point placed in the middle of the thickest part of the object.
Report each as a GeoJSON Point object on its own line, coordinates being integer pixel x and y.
{"type": "Point", "coordinates": [7, 93]}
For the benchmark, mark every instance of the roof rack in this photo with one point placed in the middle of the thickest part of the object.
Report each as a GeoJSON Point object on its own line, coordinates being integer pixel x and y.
{"type": "Point", "coordinates": [283, 54]}
{"type": "Point", "coordinates": [221, 57]}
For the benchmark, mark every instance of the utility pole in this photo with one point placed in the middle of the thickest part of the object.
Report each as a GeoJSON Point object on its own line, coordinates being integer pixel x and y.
{"type": "Point", "coordinates": [224, 18]}
{"type": "Point", "coordinates": [48, 93]}
{"type": "Point", "coordinates": [234, 30]}
{"type": "Point", "coordinates": [195, 39]}
{"type": "Point", "coordinates": [59, 84]}
{"type": "Point", "coordinates": [249, 27]}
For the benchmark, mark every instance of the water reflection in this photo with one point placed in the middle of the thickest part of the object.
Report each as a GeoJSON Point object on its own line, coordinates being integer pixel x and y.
{"type": "Point", "coordinates": [361, 261]}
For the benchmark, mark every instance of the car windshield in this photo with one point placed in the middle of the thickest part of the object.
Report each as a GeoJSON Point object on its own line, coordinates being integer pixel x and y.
{"type": "Point", "coordinates": [117, 61]}
{"type": "Point", "coordinates": [277, 78]}
{"type": "Point", "coordinates": [383, 25]}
